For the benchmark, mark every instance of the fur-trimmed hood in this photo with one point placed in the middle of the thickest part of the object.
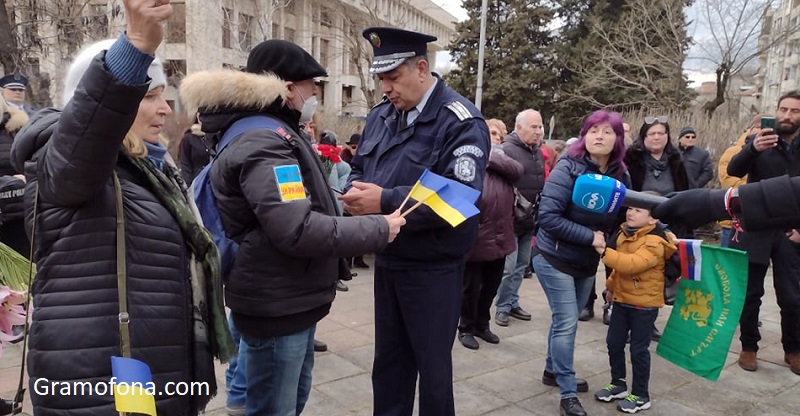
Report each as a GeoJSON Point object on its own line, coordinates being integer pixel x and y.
{"type": "Point", "coordinates": [211, 91]}
{"type": "Point", "coordinates": [17, 119]}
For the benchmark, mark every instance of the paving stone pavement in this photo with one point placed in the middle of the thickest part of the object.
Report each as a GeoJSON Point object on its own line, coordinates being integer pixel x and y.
{"type": "Point", "coordinates": [504, 379]}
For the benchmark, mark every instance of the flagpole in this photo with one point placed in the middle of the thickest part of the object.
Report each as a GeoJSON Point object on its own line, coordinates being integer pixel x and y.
{"type": "Point", "coordinates": [481, 49]}
{"type": "Point", "coordinates": [415, 206]}
{"type": "Point", "coordinates": [408, 196]}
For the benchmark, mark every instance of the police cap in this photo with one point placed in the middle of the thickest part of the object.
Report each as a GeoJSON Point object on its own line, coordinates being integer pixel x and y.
{"type": "Point", "coordinates": [14, 81]}
{"type": "Point", "coordinates": [391, 47]}
{"type": "Point", "coordinates": [285, 59]}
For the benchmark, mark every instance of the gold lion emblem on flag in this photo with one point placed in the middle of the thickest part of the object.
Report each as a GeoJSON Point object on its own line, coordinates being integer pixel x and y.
{"type": "Point", "coordinates": [697, 307]}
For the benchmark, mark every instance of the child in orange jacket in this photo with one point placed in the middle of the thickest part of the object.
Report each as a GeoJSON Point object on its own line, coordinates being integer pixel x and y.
{"type": "Point", "coordinates": [636, 288]}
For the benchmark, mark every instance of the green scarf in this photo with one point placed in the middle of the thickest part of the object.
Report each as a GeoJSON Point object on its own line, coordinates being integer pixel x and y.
{"type": "Point", "coordinates": [210, 322]}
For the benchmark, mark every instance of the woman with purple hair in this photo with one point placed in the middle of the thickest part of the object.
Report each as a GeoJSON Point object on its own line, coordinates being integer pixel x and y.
{"type": "Point", "coordinates": [565, 258]}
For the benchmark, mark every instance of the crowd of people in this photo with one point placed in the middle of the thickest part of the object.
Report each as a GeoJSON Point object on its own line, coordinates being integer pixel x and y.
{"type": "Point", "coordinates": [118, 234]}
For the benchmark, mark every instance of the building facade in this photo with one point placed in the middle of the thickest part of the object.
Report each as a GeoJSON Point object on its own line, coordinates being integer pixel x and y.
{"type": "Point", "coordinates": [206, 34]}
{"type": "Point", "coordinates": [779, 65]}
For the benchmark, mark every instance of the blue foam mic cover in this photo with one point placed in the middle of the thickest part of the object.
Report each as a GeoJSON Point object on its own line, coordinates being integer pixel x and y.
{"type": "Point", "coordinates": [598, 193]}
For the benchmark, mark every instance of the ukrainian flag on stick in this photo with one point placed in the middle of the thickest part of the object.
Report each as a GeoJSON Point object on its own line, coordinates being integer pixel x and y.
{"type": "Point", "coordinates": [133, 378]}
{"type": "Point", "coordinates": [451, 200]}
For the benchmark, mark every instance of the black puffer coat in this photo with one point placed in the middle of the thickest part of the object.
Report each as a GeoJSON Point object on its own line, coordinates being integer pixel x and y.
{"type": "Point", "coordinates": [75, 328]}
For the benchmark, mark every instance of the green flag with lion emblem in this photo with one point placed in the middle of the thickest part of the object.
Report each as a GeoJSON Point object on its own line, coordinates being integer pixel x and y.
{"type": "Point", "coordinates": [707, 308]}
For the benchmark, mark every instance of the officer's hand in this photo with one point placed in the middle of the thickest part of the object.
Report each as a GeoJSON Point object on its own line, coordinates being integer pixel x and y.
{"type": "Point", "coordinates": [692, 208]}
{"type": "Point", "coordinates": [362, 198]}
{"type": "Point", "coordinates": [144, 20]}
{"type": "Point", "coordinates": [765, 139]}
{"type": "Point", "coordinates": [395, 222]}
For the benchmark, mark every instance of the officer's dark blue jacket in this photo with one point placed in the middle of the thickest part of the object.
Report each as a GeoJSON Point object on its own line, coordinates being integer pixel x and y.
{"type": "Point", "coordinates": [566, 231]}
{"type": "Point", "coordinates": [450, 138]}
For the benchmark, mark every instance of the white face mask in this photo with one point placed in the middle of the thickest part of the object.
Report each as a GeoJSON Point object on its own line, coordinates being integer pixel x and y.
{"type": "Point", "coordinates": [309, 107]}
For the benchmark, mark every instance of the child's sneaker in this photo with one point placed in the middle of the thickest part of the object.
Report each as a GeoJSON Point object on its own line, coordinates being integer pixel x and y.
{"type": "Point", "coordinates": [611, 392]}
{"type": "Point", "coordinates": [633, 404]}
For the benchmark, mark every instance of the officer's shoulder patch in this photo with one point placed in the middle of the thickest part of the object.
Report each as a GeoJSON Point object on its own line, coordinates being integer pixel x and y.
{"type": "Point", "coordinates": [460, 110]}
{"type": "Point", "coordinates": [473, 150]}
{"type": "Point", "coordinates": [290, 182]}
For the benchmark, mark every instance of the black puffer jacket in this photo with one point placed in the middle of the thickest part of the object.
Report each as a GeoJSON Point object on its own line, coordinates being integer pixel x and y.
{"type": "Point", "coordinates": [284, 276]}
{"type": "Point", "coordinates": [75, 328]}
{"type": "Point", "coordinates": [531, 182]}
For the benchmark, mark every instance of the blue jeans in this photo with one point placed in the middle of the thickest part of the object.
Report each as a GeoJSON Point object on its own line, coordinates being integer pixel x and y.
{"type": "Point", "coordinates": [508, 292]}
{"type": "Point", "coordinates": [566, 295]}
{"type": "Point", "coordinates": [725, 237]}
{"type": "Point", "coordinates": [639, 322]}
{"type": "Point", "coordinates": [279, 373]}
{"type": "Point", "coordinates": [235, 381]}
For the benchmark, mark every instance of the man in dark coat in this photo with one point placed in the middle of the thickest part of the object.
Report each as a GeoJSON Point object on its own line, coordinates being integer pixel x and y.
{"type": "Point", "coordinates": [522, 145]}
{"type": "Point", "coordinates": [274, 200]}
{"type": "Point", "coordinates": [421, 124]}
{"type": "Point", "coordinates": [696, 160]}
{"type": "Point", "coordinates": [766, 155]}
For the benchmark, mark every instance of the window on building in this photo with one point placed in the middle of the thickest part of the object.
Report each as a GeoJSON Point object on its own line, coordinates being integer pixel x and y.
{"type": "Point", "coordinates": [245, 32]}
{"type": "Point", "coordinates": [321, 93]}
{"type": "Point", "coordinates": [288, 34]}
{"type": "Point", "coordinates": [227, 28]}
{"type": "Point", "coordinates": [176, 25]}
{"type": "Point", "coordinates": [175, 69]}
{"type": "Point", "coordinates": [326, 17]}
{"type": "Point", "coordinates": [347, 95]}
{"type": "Point", "coordinates": [324, 46]}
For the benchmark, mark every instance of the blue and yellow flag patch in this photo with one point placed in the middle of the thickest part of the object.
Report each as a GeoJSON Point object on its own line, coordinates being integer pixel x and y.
{"type": "Point", "coordinates": [290, 182]}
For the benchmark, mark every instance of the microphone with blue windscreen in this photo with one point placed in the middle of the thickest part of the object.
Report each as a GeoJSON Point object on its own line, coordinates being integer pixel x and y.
{"type": "Point", "coordinates": [605, 195]}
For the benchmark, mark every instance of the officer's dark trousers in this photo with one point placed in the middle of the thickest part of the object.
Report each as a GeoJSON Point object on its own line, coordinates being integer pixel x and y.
{"type": "Point", "coordinates": [785, 271]}
{"type": "Point", "coordinates": [416, 314]}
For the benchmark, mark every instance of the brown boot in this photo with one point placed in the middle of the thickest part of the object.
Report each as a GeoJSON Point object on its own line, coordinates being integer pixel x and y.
{"type": "Point", "coordinates": [793, 359]}
{"type": "Point", "coordinates": [747, 360]}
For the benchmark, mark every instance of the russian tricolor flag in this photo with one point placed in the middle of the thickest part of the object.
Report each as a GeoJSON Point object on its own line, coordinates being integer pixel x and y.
{"type": "Point", "coordinates": [691, 258]}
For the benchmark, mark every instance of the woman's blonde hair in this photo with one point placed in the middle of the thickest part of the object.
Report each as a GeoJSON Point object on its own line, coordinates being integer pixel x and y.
{"type": "Point", "coordinates": [498, 124]}
{"type": "Point", "coordinates": [135, 146]}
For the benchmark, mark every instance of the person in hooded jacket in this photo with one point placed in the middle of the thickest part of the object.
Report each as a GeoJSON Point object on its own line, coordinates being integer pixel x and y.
{"type": "Point", "coordinates": [12, 184]}
{"type": "Point", "coordinates": [283, 278]}
{"type": "Point", "coordinates": [106, 142]}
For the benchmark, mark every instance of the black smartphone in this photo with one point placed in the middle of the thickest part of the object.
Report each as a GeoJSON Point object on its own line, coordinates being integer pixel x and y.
{"type": "Point", "coordinates": [768, 123]}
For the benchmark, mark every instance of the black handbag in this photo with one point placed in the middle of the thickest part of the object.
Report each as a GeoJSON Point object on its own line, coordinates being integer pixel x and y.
{"type": "Point", "coordinates": [526, 213]}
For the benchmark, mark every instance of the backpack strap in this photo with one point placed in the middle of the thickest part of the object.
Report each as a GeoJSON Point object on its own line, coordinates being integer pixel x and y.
{"type": "Point", "coordinates": [244, 125]}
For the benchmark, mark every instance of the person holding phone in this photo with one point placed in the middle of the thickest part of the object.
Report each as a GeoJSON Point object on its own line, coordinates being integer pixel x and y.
{"type": "Point", "coordinates": [774, 151]}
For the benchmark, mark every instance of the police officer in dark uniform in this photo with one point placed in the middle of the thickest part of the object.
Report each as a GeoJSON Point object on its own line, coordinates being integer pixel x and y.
{"type": "Point", "coordinates": [420, 124]}
{"type": "Point", "coordinates": [14, 87]}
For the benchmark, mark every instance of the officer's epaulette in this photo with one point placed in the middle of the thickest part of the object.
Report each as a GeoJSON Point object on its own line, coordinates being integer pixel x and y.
{"type": "Point", "coordinates": [460, 110]}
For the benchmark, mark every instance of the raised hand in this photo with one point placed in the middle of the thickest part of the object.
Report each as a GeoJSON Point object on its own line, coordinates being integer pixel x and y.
{"type": "Point", "coordinates": [144, 20]}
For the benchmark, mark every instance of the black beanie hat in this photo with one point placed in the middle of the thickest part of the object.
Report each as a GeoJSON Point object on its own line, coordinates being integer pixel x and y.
{"type": "Point", "coordinates": [285, 59]}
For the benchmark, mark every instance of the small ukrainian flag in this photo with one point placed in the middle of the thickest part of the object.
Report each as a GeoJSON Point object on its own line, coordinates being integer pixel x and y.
{"type": "Point", "coordinates": [451, 200]}
{"type": "Point", "coordinates": [133, 378]}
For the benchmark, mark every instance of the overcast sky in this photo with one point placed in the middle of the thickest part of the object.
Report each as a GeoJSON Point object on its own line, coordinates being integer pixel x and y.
{"type": "Point", "coordinates": [694, 68]}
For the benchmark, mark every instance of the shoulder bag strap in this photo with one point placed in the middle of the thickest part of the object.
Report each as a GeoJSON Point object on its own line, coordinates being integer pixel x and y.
{"type": "Point", "coordinates": [16, 406]}
{"type": "Point", "coordinates": [122, 273]}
